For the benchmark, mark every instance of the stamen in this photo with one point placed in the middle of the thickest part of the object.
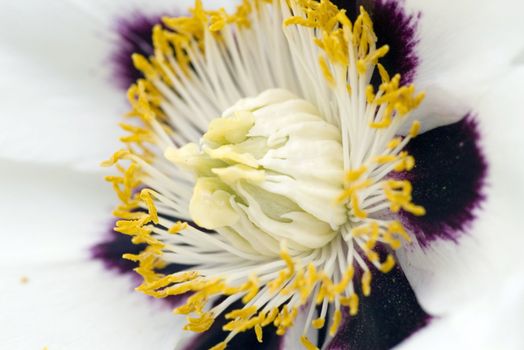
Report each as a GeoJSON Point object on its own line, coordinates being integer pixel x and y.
{"type": "Point", "coordinates": [294, 183]}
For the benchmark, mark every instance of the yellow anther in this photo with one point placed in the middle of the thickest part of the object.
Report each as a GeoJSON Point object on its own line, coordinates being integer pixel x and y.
{"type": "Point", "coordinates": [406, 162]}
{"type": "Point", "coordinates": [142, 64]}
{"type": "Point", "coordinates": [384, 159]}
{"type": "Point", "coordinates": [194, 303]}
{"type": "Point", "coordinates": [394, 143]}
{"type": "Point", "coordinates": [241, 313]}
{"type": "Point", "coordinates": [219, 346]}
{"type": "Point", "coordinates": [160, 42]}
{"type": "Point", "coordinates": [352, 302]}
{"type": "Point", "coordinates": [138, 134]}
{"type": "Point", "coordinates": [307, 343]}
{"type": "Point", "coordinates": [131, 257]}
{"type": "Point", "coordinates": [352, 189]}
{"type": "Point", "coordinates": [177, 227]}
{"type": "Point", "coordinates": [146, 196]}
{"type": "Point", "coordinates": [354, 175]}
{"type": "Point", "coordinates": [287, 258]}
{"type": "Point", "coordinates": [120, 154]}
{"type": "Point", "coordinates": [218, 20]}
{"type": "Point", "coordinates": [384, 75]}
{"type": "Point", "coordinates": [326, 71]}
{"type": "Point", "coordinates": [370, 93]}
{"type": "Point", "coordinates": [372, 256]}
{"type": "Point", "coordinates": [275, 284]}
{"type": "Point", "coordinates": [395, 227]}
{"type": "Point", "coordinates": [252, 286]}
{"type": "Point", "coordinates": [337, 317]}
{"type": "Point", "coordinates": [200, 324]}
{"type": "Point", "coordinates": [259, 333]}
{"type": "Point", "coordinates": [399, 195]}
{"type": "Point", "coordinates": [344, 20]}
{"type": "Point", "coordinates": [133, 227]}
{"type": "Point", "coordinates": [355, 205]}
{"type": "Point", "coordinates": [362, 66]}
{"type": "Point", "coordinates": [318, 323]}
{"type": "Point", "coordinates": [385, 121]}
{"type": "Point", "coordinates": [414, 209]}
{"type": "Point", "coordinates": [388, 265]}
{"type": "Point", "coordinates": [270, 317]}
{"type": "Point", "coordinates": [346, 278]}
{"type": "Point", "coordinates": [366, 283]}
{"type": "Point", "coordinates": [415, 129]}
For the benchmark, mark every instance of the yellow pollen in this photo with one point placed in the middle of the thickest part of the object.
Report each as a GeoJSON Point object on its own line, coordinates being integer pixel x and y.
{"type": "Point", "coordinates": [146, 196]}
{"type": "Point", "coordinates": [318, 323]}
{"type": "Point", "coordinates": [201, 324]}
{"type": "Point", "coordinates": [388, 264]}
{"type": "Point", "coordinates": [415, 129]}
{"type": "Point", "coordinates": [177, 227]}
{"type": "Point", "coordinates": [366, 283]}
{"type": "Point", "coordinates": [121, 154]}
{"type": "Point", "coordinates": [352, 302]}
{"type": "Point", "coordinates": [219, 346]}
{"type": "Point", "coordinates": [336, 322]}
{"type": "Point", "coordinates": [259, 333]}
{"type": "Point", "coordinates": [394, 143]}
{"type": "Point", "coordinates": [307, 343]}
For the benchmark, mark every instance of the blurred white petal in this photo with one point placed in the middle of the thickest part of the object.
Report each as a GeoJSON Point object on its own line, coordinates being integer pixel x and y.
{"type": "Point", "coordinates": [53, 214]}
{"type": "Point", "coordinates": [51, 217]}
{"type": "Point", "coordinates": [492, 319]}
{"type": "Point", "coordinates": [77, 305]}
{"type": "Point", "coordinates": [463, 46]}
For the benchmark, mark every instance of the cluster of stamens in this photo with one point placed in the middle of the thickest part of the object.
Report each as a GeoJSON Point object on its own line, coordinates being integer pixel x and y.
{"type": "Point", "coordinates": [155, 194]}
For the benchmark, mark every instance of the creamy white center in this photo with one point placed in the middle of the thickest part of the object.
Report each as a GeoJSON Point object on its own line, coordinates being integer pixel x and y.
{"type": "Point", "coordinates": [269, 169]}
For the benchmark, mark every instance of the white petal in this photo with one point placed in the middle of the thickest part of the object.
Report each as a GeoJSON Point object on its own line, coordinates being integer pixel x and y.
{"type": "Point", "coordinates": [463, 45]}
{"type": "Point", "coordinates": [51, 213]}
{"type": "Point", "coordinates": [449, 274]}
{"type": "Point", "coordinates": [51, 217]}
{"type": "Point", "coordinates": [78, 305]}
{"type": "Point", "coordinates": [493, 320]}
{"type": "Point", "coordinates": [58, 103]}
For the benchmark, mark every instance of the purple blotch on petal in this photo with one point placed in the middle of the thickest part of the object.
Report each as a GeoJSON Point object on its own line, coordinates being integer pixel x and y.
{"type": "Point", "coordinates": [385, 318]}
{"type": "Point", "coordinates": [394, 27]}
{"type": "Point", "coordinates": [448, 180]}
{"type": "Point", "coordinates": [134, 35]}
{"type": "Point", "coordinates": [242, 341]}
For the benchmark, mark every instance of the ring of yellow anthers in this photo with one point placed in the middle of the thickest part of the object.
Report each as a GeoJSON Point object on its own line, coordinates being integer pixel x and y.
{"type": "Point", "coordinates": [346, 47]}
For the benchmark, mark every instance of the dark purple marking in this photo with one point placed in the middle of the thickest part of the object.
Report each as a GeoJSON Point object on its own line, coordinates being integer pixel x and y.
{"type": "Point", "coordinates": [394, 27]}
{"type": "Point", "coordinates": [242, 341]}
{"type": "Point", "coordinates": [448, 180]}
{"type": "Point", "coordinates": [387, 317]}
{"type": "Point", "coordinates": [134, 35]}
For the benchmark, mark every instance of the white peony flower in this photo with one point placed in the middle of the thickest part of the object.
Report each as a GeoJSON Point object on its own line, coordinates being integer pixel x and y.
{"type": "Point", "coordinates": [279, 130]}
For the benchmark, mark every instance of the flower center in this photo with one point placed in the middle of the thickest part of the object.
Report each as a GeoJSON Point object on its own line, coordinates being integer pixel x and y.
{"type": "Point", "coordinates": [268, 170]}
{"type": "Point", "coordinates": [296, 191]}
